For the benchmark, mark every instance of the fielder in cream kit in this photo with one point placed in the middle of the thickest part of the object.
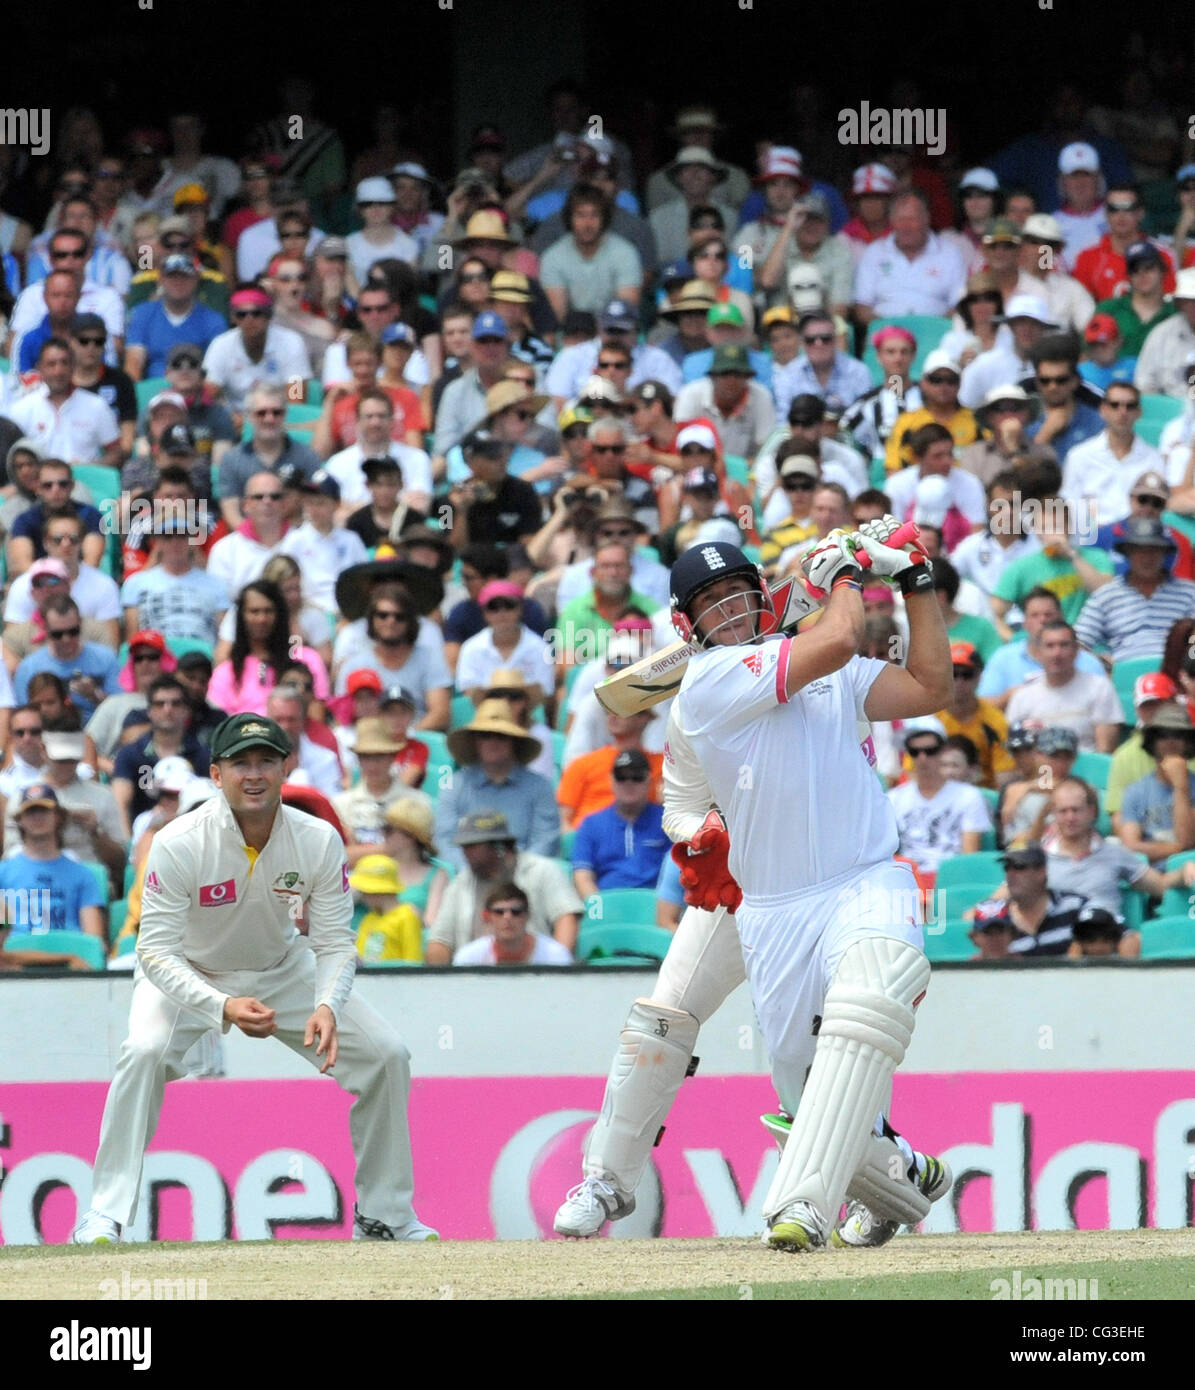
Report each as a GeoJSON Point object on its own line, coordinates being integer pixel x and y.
{"type": "Point", "coordinates": [766, 728]}
{"type": "Point", "coordinates": [219, 945]}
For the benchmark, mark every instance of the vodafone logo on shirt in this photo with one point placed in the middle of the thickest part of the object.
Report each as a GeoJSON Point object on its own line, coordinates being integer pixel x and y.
{"type": "Point", "coordinates": [218, 894]}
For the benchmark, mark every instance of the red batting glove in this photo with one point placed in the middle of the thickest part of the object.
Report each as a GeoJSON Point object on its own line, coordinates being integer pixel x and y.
{"type": "Point", "coordinates": [704, 874]}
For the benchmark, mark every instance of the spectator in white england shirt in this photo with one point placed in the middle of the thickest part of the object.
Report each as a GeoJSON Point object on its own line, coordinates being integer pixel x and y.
{"type": "Point", "coordinates": [937, 819]}
{"type": "Point", "coordinates": [911, 270]}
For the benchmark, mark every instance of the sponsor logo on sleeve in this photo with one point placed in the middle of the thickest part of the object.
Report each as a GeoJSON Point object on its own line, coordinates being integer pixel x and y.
{"type": "Point", "coordinates": [218, 894]}
{"type": "Point", "coordinates": [153, 883]}
{"type": "Point", "coordinates": [344, 877]}
{"type": "Point", "coordinates": [754, 663]}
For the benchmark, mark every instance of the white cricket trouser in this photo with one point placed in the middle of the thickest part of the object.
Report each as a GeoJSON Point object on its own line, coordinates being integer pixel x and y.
{"type": "Point", "coordinates": [703, 966]}
{"type": "Point", "coordinates": [791, 947]}
{"type": "Point", "coordinates": [373, 1064]}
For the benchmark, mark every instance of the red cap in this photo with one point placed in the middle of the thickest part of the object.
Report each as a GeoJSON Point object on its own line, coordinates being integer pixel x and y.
{"type": "Point", "coordinates": [1101, 328]}
{"type": "Point", "coordinates": [964, 654]}
{"type": "Point", "coordinates": [365, 679]}
{"type": "Point", "coordinates": [148, 638]}
{"type": "Point", "coordinates": [1155, 685]}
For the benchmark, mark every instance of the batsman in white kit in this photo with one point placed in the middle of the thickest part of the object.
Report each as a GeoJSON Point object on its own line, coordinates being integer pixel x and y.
{"type": "Point", "coordinates": [219, 945]}
{"type": "Point", "coordinates": [828, 922]}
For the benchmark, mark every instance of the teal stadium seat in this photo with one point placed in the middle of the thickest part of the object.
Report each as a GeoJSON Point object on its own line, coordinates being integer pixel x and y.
{"type": "Point", "coordinates": [928, 329]}
{"type": "Point", "coordinates": [146, 390]}
{"type": "Point", "coordinates": [621, 939]}
{"type": "Point", "coordinates": [1156, 414]}
{"type": "Point", "coordinates": [1124, 677]}
{"type": "Point", "coordinates": [617, 905]}
{"type": "Point", "coordinates": [1168, 938]}
{"type": "Point", "coordinates": [1093, 767]}
{"type": "Point", "coordinates": [978, 869]}
{"type": "Point", "coordinates": [65, 943]}
{"type": "Point", "coordinates": [953, 944]}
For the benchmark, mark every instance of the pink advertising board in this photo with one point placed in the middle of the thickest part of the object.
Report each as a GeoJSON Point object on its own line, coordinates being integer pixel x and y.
{"type": "Point", "coordinates": [494, 1156]}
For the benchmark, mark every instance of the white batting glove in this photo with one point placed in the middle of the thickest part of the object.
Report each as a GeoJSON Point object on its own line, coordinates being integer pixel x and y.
{"type": "Point", "coordinates": [880, 529]}
{"type": "Point", "coordinates": [828, 561]}
{"type": "Point", "coordinates": [886, 563]}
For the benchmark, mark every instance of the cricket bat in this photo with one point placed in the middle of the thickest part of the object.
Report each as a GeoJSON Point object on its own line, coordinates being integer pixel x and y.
{"type": "Point", "coordinates": [657, 677]}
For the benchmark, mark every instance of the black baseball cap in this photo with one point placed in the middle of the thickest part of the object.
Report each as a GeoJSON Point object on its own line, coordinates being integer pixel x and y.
{"type": "Point", "coordinates": [87, 323]}
{"type": "Point", "coordinates": [806, 409]}
{"type": "Point", "coordinates": [242, 731]}
{"type": "Point", "coordinates": [373, 467]}
{"type": "Point", "coordinates": [631, 765]}
{"type": "Point", "coordinates": [1030, 857]}
{"type": "Point", "coordinates": [321, 484]}
{"type": "Point", "coordinates": [178, 440]}
{"type": "Point", "coordinates": [1097, 924]}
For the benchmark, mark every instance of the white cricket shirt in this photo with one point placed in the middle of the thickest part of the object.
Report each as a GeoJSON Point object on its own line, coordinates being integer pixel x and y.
{"type": "Point", "coordinates": [801, 801]}
{"type": "Point", "coordinates": [207, 912]}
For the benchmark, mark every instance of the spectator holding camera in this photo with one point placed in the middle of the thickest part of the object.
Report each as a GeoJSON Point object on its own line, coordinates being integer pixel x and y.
{"type": "Point", "coordinates": [490, 504]}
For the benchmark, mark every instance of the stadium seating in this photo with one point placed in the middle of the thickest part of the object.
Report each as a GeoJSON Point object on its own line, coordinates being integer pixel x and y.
{"type": "Point", "coordinates": [1124, 677]}
{"type": "Point", "coordinates": [987, 840]}
{"type": "Point", "coordinates": [146, 390]}
{"type": "Point", "coordinates": [619, 939]}
{"type": "Point", "coordinates": [928, 329]}
{"type": "Point", "coordinates": [622, 905]}
{"type": "Point", "coordinates": [625, 959]}
{"type": "Point", "coordinates": [1132, 908]}
{"type": "Point", "coordinates": [1093, 768]}
{"type": "Point", "coordinates": [950, 903]}
{"type": "Point", "coordinates": [1156, 414]}
{"type": "Point", "coordinates": [1176, 902]}
{"type": "Point", "coordinates": [981, 868]}
{"type": "Point", "coordinates": [65, 943]}
{"type": "Point", "coordinates": [300, 416]}
{"type": "Point", "coordinates": [737, 470]}
{"type": "Point", "coordinates": [568, 838]}
{"type": "Point", "coordinates": [462, 711]}
{"type": "Point", "coordinates": [952, 944]}
{"type": "Point", "coordinates": [1168, 938]}
{"type": "Point", "coordinates": [104, 484]}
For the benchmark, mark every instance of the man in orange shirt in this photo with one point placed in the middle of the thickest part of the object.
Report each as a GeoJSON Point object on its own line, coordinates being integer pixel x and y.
{"type": "Point", "coordinates": [586, 784]}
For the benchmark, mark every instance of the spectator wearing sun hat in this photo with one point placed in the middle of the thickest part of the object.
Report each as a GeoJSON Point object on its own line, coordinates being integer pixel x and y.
{"type": "Point", "coordinates": [694, 174]}
{"type": "Point", "coordinates": [390, 930]}
{"type": "Point", "coordinates": [379, 239]}
{"type": "Point", "coordinates": [362, 810]}
{"type": "Point", "coordinates": [493, 754]}
{"type": "Point", "coordinates": [872, 186]}
{"type": "Point", "coordinates": [1009, 362]}
{"type": "Point", "coordinates": [741, 410]}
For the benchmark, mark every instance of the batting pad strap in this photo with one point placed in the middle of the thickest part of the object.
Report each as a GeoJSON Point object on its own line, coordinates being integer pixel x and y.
{"type": "Point", "coordinates": [866, 1026]}
{"type": "Point", "coordinates": [655, 1048]}
{"type": "Point", "coordinates": [881, 1181]}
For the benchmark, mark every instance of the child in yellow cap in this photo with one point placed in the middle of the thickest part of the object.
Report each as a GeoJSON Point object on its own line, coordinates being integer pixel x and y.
{"type": "Point", "coordinates": [390, 930]}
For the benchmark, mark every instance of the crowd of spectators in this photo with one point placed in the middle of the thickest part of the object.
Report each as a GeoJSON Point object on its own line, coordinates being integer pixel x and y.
{"type": "Point", "coordinates": [401, 457]}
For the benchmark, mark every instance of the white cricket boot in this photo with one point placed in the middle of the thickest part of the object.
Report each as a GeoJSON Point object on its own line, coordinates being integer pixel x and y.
{"type": "Point", "coordinates": [96, 1229]}
{"type": "Point", "coordinates": [589, 1206]}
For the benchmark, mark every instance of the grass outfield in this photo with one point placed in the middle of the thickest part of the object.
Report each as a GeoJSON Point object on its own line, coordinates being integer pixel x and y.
{"type": "Point", "coordinates": [1128, 1264]}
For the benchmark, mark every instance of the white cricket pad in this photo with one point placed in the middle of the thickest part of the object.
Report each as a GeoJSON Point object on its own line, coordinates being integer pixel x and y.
{"type": "Point", "coordinates": [655, 1049]}
{"type": "Point", "coordinates": [882, 1184]}
{"type": "Point", "coordinates": [866, 1026]}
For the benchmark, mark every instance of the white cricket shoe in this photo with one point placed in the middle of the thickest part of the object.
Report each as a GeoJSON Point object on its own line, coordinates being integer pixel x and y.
{"type": "Point", "coordinates": [799, 1226]}
{"type": "Point", "coordinates": [861, 1228]}
{"type": "Point", "coordinates": [589, 1206]}
{"type": "Point", "coordinates": [96, 1229]}
{"type": "Point", "coordinates": [366, 1229]}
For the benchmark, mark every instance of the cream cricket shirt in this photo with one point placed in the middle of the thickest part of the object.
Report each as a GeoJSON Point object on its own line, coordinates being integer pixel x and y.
{"type": "Point", "coordinates": [207, 912]}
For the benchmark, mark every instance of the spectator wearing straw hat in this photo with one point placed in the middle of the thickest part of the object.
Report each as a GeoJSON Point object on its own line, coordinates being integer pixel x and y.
{"type": "Point", "coordinates": [492, 753]}
{"type": "Point", "coordinates": [390, 930]}
{"type": "Point", "coordinates": [694, 174]}
{"type": "Point", "coordinates": [511, 686]}
{"type": "Point", "coordinates": [362, 810]}
{"type": "Point", "coordinates": [1157, 816]}
{"type": "Point", "coordinates": [511, 298]}
{"type": "Point", "coordinates": [409, 839]}
{"type": "Point", "coordinates": [696, 127]}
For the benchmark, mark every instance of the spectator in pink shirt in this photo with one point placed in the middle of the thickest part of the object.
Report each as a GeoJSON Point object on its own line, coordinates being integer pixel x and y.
{"type": "Point", "coordinates": [261, 651]}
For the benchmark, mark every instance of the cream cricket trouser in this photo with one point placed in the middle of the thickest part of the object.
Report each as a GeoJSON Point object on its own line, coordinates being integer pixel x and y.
{"type": "Point", "coordinates": [373, 1064]}
{"type": "Point", "coordinates": [703, 966]}
{"type": "Point", "coordinates": [791, 947]}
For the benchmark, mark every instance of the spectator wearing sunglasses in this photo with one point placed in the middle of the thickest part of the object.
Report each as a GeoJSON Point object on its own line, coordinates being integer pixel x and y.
{"type": "Point", "coordinates": [269, 449]}
{"type": "Point", "coordinates": [55, 485]}
{"type": "Point", "coordinates": [507, 939]}
{"type": "Point", "coordinates": [1069, 415]}
{"type": "Point", "coordinates": [114, 387]}
{"type": "Point", "coordinates": [1101, 471]}
{"type": "Point", "coordinates": [254, 350]}
{"type": "Point", "coordinates": [209, 421]}
{"type": "Point", "coordinates": [1103, 269]}
{"type": "Point", "coordinates": [68, 253]}
{"type": "Point", "coordinates": [936, 818]}
{"type": "Point", "coordinates": [1148, 498]}
{"type": "Point", "coordinates": [977, 720]}
{"type": "Point", "coordinates": [176, 316]}
{"type": "Point", "coordinates": [176, 237]}
{"type": "Point", "coordinates": [90, 670]}
{"type": "Point", "coordinates": [506, 642]}
{"type": "Point", "coordinates": [821, 369]}
{"type": "Point", "coordinates": [242, 555]}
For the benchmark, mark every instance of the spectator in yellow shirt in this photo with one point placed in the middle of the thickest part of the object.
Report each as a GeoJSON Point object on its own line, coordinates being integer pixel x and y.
{"type": "Point", "coordinates": [976, 719]}
{"type": "Point", "coordinates": [390, 930]}
{"type": "Point", "coordinates": [940, 379]}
